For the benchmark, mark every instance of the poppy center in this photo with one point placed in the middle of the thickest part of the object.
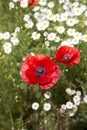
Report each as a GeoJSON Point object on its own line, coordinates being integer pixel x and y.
{"type": "Point", "coordinates": [66, 58]}
{"type": "Point", "coordinates": [40, 71]}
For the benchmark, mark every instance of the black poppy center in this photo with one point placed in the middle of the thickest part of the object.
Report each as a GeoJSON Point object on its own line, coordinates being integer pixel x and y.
{"type": "Point", "coordinates": [40, 71]}
{"type": "Point", "coordinates": [66, 58]}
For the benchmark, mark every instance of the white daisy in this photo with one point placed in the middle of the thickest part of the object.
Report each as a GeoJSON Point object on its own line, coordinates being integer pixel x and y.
{"type": "Point", "coordinates": [7, 45]}
{"type": "Point", "coordinates": [60, 29]}
{"type": "Point", "coordinates": [36, 35]}
{"type": "Point", "coordinates": [17, 29]}
{"type": "Point", "coordinates": [77, 11]}
{"type": "Point", "coordinates": [68, 91]}
{"type": "Point", "coordinates": [71, 21]}
{"type": "Point", "coordinates": [6, 35]}
{"type": "Point", "coordinates": [8, 50]}
{"type": "Point", "coordinates": [78, 93]}
{"type": "Point", "coordinates": [50, 4]}
{"type": "Point", "coordinates": [63, 107]}
{"type": "Point", "coordinates": [11, 5]}
{"type": "Point", "coordinates": [76, 99]}
{"type": "Point", "coordinates": [26, 17]}
{"type": "Point", "coordinates": [35, 106]}
{"type": "Point", "coordinates": [69, 105]}
{"type": "Point", "coordinates": [42, 2]}
{"type": "Point", "coordinates": [64, 16]}
{"type": "Point", "coordinates": [47, 106]}
{"type": "Point", "coordinates": [24, 3]}
{"type": "Point", "coordinates": [51, 36]}
{"type": "Point", "coordinates": [15, 41]}
{"type": "Point", "coordinates": [47, 95]}
{"type": "Point", "coordinates": [77, 35]}
{"type": "Point", "coordinates": [57, 39]}
{"type": "Point", "coordinates": [29, 24]}
{"type": "Point", "coordinates": [70, 31]}
{"type": "Point", "coordinates": [47, 43]}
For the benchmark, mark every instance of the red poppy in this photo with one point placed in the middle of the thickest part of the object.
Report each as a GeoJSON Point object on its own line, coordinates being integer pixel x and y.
{"type": "Point", "coordinates": [31, 2]}
{"type": "Point", "coordinates": [40, 70]}
{"type": "Point", "coordinates": [68, 55]}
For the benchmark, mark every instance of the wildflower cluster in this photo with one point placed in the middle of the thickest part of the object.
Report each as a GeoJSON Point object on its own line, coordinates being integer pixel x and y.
{"type": "Point", "coordinates": [46, 106]}
{"type": "Point", "coordinates": [9, 40]}
{"type": "Point", "coordinates": [75, 100]}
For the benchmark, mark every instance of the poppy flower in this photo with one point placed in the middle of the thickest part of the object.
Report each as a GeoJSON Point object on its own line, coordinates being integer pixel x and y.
{"type": "Point", "coordinates": [40, 70]}
{"type": "Point", "coordinates": [33, 2]}
{"type": "Point", "coordinates": [68, 55]}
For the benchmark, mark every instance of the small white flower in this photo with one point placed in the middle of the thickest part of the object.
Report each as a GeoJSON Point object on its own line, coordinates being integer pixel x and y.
{"type": "Point", "coordinates": [42, 2]}
{"type": "Point", "coordinates": [36, 35]}
{"type": "Point", "coordinates": [47, 43]}
{"type": "Point", "coordinates": [15, 41]}
{"type": "Point", "coordinates": [68, 91]}
{"type": "Point", "coordinates": [84, 37]}
{"type": "Point", "coordinates": [11, 5]}
{"type": "Point", "coordinates": [24, 3]}
{"type": "Point", "coordinates": [26, 17]}
{"type": "Point", "coordinates": [57, 39]}
{"type": "Point", "coordinates": [47, 95]}
{"type": "Point", "coordinates": [71, 22]}
{"type": "Point", "coordinates": [7, 45]}
{"type": "Point", "coordinates": [45, 34]}
{"type": "Point", "coordinates": [75, 108]}
{"type": "Point", "coordinates": [51, 36]}
{"type": "Point", "coordinates": [60, 29]}
{"type": "Point", "coordinates": [42, 25]}
{"type": "Point", "coordinates": [77, 11]}
{"type": "Point", "coordinates": [8, 50]}
{"type": "Point", "coordinates": [35, 105]}
{"type": "Point", "coordinates": [77, 102]}
{"type": "Point", "coordinates": [17, 29]}
{"type": "Point", "coordinates": [75, 41]}
{"type": "Point", "coordinates": [76, 99]}
{"type": "Point", "coordinates": [77, 35]}
{"type": "Point", "coordinates": [78, 93]}
{"type": "Point", "coordinates": [47, 106]}
{"type": "Point", "coordinates": [50, 4]}
{"type": "Point", "coordinates": [50, 16]}
{"type": "Point", "coordinates": [69, 105]}
{"type": "Point", "coordinates": [64, 16]}
{"type": "Point", "coordinates": [56, 17]}
{"type": "Point", "coordinates": [29, 24]}
{"type": "Point", "coordinates": [70, 31]}
{"type": "Point", "coordinates": [63, 107]}
{"type": "Point", "coordinates": [6, 35]}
